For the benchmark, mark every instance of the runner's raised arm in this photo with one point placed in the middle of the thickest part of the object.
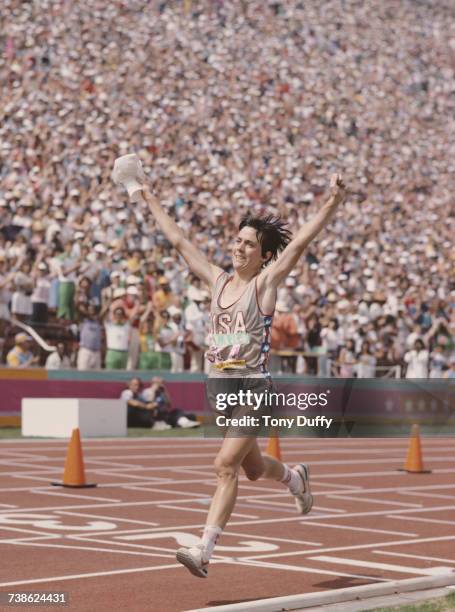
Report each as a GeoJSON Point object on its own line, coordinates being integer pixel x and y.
{"type": "Point", "coordinates": [277, 271]}
{"type": "Point", "coordinates": [196, 260]}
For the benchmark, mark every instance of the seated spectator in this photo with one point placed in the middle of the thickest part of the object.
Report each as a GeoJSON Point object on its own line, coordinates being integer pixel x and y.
{"type": "Point", "coordinates": [21, 355]}
{"type": "Point", "coordinates": [157, 394]}
{"type": "Point", "coordinates": [58, 360]}
{"type": "Point", "coordinates": [140, 412]}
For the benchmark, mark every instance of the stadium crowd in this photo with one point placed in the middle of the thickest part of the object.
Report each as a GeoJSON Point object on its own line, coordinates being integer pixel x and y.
{"type": "Point", "coordinates": [233, 107]}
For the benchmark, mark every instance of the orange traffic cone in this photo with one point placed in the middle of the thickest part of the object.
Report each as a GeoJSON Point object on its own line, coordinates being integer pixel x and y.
{"type": "Point", "coordinates": [414, 462]}
{"type": "Point", "coordinates": [74, 474]}
{"type": "Point", "coordinates": [273, 447]}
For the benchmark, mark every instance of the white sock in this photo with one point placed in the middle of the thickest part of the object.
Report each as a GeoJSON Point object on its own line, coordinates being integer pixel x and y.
{"type": "Point", "coordinates": [209, 539]}
{"type": "Point", "coordinates": [291, 478]}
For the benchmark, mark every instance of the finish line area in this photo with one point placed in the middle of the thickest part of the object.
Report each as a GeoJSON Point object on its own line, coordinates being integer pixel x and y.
{"type": "Point", "coordinates": [114, 546]}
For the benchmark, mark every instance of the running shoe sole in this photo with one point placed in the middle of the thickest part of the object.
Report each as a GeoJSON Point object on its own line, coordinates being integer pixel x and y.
{"type": "Point", "coordinates": [184, 557]}
{"type": "Point", "coordinates": [304, 502]}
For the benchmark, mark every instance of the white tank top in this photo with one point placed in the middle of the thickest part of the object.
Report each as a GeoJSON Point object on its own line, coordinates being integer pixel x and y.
{"type": "Point", "coordinates": [239, 333]}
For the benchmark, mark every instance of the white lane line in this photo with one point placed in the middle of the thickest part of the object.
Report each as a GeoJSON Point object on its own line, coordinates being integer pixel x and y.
{"type": "Point", "coordinates": [115, 542]}
{"type": "Point", "coordinates": [7, 506]}
{"type": "Point", "coordinates": [357, 547]}
{"type": "Point", "coordinates": [186, 509]}
{"type": "Point", "coordinates": [431, 495]}
{"type": "Point", "coordinates": [301, 568]}
{"type": "Point", "coordinates": [331, 525]}
{"type": "Point", "coordinates": [114, 551]}
{"type": "Point", "coordinates": [89, 575]}
{"type": "Point", "coordinates": [348, 475]}
{"type": "Point", "coordinates": [266, 502]}
{"type": "Point", "coordinates": [130, 477]}
{"type": "Point", "coordinates": [401, 489]}
{"type": "Point", "coordinates": [402, 569]}
{"type": "Point", "coordinates": [267, 537]}
{"type": "Point", "coordinates": [360, 461]}
{"type": "Point", "coordinates": [373, 501]}
{"type": "Point", "coordinates": [169, 481]}
{"type": "Point", "coordinates": [73, 495]}
{"type": "Point", "coordinates": [408, 556]}
{"type": "Point", "coordinates": [423, 520]}
{"type": "Point", "coordinates": [103, 485]}
{"type": "Point", "coordinates": [391, 513]}
{"type": "Point", "coordinates": [186, 470]}
{"type": "Point", "coordinates": [107, 518]}
{"type": "Point", "coordinates": [325, 509]}
{"type": "Point", "coordinates": [34, 539]}
{"type": "Point", "coordinates": [113, 465]}
{"type": "Point", "coordinates": [196, 455]}
{"type": "Point", "coordinates": [353, 488]}
{"type": "Point", "coordinates": [167, 491]}
{"type": "Point", "coordinates": [21, 530]}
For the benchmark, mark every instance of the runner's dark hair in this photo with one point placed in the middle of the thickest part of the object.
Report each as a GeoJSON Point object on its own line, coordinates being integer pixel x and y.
{"type": "Point", "coordinates": [271, 233]}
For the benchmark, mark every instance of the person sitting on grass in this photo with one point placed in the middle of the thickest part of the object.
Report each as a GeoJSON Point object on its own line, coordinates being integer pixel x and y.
{"type": "Point", "coordinates": [141, 412]}
{"type": "Point", "coordinates": [158, 395]}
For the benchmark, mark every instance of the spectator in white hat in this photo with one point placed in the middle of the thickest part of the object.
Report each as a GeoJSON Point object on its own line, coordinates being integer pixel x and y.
{"type": "Point", "coordinates": [21, 356]}
{"type": "Point", "coordinates": [41, 290]}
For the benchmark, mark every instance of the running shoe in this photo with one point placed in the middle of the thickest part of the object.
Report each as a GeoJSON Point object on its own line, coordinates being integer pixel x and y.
{"type": "Point", "coordinates": [193, 559]}
{"type": "Point", "coordinates": [161, 426]}
{"type": "Point", "coordinates": [186, 423]}
{"type": "Point", "coordinates": [304, 499]}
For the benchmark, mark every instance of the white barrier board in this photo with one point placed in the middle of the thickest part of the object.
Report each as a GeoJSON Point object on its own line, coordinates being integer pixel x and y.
{"type": "Point", "coordinates": [57, 417]}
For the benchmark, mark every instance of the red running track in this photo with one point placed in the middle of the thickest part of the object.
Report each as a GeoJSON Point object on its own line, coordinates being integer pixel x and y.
{"type": "Point", "coordinates": [112, 547]}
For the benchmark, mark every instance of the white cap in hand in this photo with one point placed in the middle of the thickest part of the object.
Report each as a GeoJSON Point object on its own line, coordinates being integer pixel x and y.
{"type": "Point", "coordinates": [129, 173]}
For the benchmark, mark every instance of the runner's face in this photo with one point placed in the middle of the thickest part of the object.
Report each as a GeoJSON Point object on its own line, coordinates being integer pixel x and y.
{"type": "Point", "coordinates": [246, 251]}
